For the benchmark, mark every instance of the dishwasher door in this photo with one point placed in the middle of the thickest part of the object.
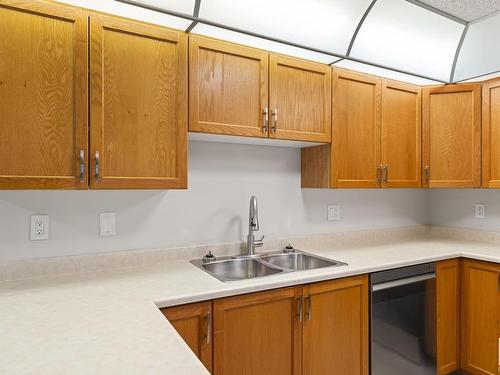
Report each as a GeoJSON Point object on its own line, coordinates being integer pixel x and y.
{"type": "Point", "coordinates": [403, 321]}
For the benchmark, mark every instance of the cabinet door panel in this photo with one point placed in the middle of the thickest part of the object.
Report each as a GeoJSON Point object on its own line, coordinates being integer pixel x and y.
{"type": "Point", "coordinates": [452, 136]}
{"type": "Point", "coordinates": [336, 327]}
{"type": "Point", "coordinates": [448, 315]}
{"type": "Point", "coordinates": [228, 86]}
{"type": "Point", "coordinates": [401, 133]}
{"type": "Point", "coordinates": [43, 96]}
{"type": "Point", "coordinates": [491, 134]}
{"type": "Point", "coordinates": [192, 322]}
{"type": "Point", "coordinates": [300, 91]}
{"type": "Point", "coordinates": [258, 333]}
{"type": "Point", "coordinates": [138, 105]}
{"type": "Point", "coordinates": [480, 296]}
{"type": "Point", "coordinates": [356, 130]}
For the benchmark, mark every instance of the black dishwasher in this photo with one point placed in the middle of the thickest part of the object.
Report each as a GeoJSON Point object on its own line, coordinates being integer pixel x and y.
{"type": "Point", "coordinates": [403, 321]}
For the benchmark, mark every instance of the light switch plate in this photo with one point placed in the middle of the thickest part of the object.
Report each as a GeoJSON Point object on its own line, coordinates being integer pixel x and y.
{"type": "Point", "coordinates": [333, 212]}
{"type": "Point", "coordinates": [479, 211]}
{"type": "Point", "coordinates": [107, 224]}
{"type": "Point", "coordinates": [39, 227]}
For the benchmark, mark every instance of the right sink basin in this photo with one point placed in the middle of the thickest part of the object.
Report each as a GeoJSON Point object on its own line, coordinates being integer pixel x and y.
{"type": "Point", "coordinates": [298, 261]}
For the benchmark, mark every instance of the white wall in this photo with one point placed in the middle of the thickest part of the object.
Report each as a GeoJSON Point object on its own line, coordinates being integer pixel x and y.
{"type": "Point", "coordinates": [455, 208]}
{"type": "Point", "coordinates": [222, 177]}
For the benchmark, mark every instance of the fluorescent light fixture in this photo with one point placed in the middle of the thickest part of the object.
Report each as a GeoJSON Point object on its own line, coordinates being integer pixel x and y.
{"type": "Point", "coordinates": [401, 35]}
{"type": "Point", "coordinates": [220, 33]}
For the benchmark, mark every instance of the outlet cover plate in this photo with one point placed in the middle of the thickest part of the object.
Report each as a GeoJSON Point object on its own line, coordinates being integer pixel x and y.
{"type": "Point", "coordinates": [479, 211]}
{"type": "Point", "coordinates": [333, 212]}
{"type": "Point", "coordinates": [39, 227]}
{"type": "Point", "coordinates": [107, 224]}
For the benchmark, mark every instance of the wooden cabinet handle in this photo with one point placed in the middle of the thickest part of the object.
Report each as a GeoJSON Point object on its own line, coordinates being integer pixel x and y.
{"type": "Point", "coordinates": [385, 174]}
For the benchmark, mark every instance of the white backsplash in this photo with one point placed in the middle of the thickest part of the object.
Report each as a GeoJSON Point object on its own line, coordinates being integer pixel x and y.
{"type": "Point", "coordinates": [214, 209]}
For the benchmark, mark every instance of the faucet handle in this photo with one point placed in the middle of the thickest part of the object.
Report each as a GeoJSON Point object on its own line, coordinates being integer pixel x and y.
{"type": "Point", "coordinates": [259, 242]}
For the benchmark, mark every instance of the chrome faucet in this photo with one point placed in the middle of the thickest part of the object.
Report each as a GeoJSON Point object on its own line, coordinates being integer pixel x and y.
{"type": "Point", "coordinates": [253, 226]}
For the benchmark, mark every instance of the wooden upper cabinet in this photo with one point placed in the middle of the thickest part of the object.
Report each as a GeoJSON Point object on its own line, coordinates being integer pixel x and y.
{"type": "Point", "coordinates": [356, 131]}
{"type": "Point", "coordinates": [480, 317]}
{"type": "Point", "coordinates": [452, 136]}
{"type": "Point", "coordinates": [193, 322]}
{"type": "Point", "coordinates": [228, 86]}
{"type": "Point", "coordinates": [400, 135]}
{"type": "Point", "coordinates": [43, 96]}
{"type": "Point", "coordinates": [336, 327]}
{"type": "Point", "coordinates": [448, 316]}
{"type": "Point", "coordinates": [258, 333]}
{"type": "Point", "coordinates": [491, 134]}
{"type": "Point", "coordinates": [138, 105]}
{"type": "Point", "coordinates": [299, 100]}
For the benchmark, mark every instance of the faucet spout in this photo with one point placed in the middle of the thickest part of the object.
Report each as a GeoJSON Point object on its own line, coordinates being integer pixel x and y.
{"type": "Point", "coordinates": [253, 226]}
{"type": "Point", "coordinates": [254, 215]}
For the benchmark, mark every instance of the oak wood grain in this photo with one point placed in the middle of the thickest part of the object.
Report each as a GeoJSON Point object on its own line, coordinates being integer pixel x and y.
{"type": "Point", "coordinates": [138, 105]}
{"type": "Point", "coordinates": [300, 91]}
{"type": "Point", "coordinates": [258, 333]}
{"type": "Point", "coordinates": [191, 322]}
{"type": "Point", "coordinates": [448, 315]}
{"type": "Point", "coordinates": [356, 130]}
{"type": "Point", "coordinates": [480, 298]}
{"type": "Point", "coordinates": [43, 95]}
{"type": "Point", "coordinates": [401, 134]}
{"type": "Point", "coordinates": [228, 88]}
{"type": "Point", "coordinates": [491, 134]}
{"type": "Point", "coordinates": [315, 167]}
{"type": "Point", "coordinates": [336, 332]}
{"type": "Point", "coordinates": [452, 135]}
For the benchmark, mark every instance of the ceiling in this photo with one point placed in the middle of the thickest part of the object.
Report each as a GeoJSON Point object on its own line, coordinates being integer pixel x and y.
{"type": "Point", "coordinates": [419, 41]}
{"type": "Point", "coordinates": [466, 10]}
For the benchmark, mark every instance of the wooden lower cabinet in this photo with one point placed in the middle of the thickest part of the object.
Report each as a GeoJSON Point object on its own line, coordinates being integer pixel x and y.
{"type": "Point", "coordinates": [335, 330]}
{"type": "Point", "coordinates": [448, 316]}
{"type": "Point", "coordinates": [480, 317]}
{"type": "Point", "coordinates": [320, 328]}
{"type": "Point", "coordinates": [193, 322]}
{"type": "Point", "coordinates": [258, 333]}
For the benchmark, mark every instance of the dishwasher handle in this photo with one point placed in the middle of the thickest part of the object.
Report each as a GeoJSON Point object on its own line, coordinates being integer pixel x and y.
{"type": "Point", "coordinates": [401, 282]}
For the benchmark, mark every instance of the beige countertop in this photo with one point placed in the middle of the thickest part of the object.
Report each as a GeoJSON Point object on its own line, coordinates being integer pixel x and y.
{"type": "Point", "coordinates": [108, 322]}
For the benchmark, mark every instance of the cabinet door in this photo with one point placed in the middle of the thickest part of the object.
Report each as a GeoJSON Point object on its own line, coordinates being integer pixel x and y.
{"type": "Point", "coordinates": [452, 136]}
{"type": "Point", "coordinates": [228, 86]}
{"type": "Point", "coordinates": [193, 322]}
{"type": "Point", "coordinates": [480, 295]}
{"type": "Point", "coordinates": [448, 315]}
{"type": "Point", "coordinates": [138, 105]}
{"type": "Point", "coordinates": [299, 100]}
{"type": "Point", "coordinates": [258, 333]}
{"type": "Point", "coordinates": [335, 338]}
{"type": "Point", "coordinates": [491, 134]}
{"type": "Point", "coordinates": [356, 131]}
{"type": "Point", "coordinates": [401, 133]}
{"type": "Point", "coordinates": [43, 96]}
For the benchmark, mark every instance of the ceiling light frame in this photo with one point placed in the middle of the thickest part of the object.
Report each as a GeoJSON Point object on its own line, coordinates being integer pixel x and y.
{"type": "Point", "coordinates": [196, 19]}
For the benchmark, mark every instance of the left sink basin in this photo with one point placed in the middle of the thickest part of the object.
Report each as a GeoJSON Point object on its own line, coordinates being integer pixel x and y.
{"type": "Point", "coordinates": [237, 269]}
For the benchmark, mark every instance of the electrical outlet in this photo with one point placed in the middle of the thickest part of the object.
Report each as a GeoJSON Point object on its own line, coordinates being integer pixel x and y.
{"type": "Point", "coordinates": [39, 228]}
{"type": "Point", "coordinates": [479, 211]}
{"type": "Point", "coordinates": [333, 212]}
{"type": "Point", "coordinates": [107, 224]}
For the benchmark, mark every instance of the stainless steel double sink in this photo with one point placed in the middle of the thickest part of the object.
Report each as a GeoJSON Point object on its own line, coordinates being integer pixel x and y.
{"type": "Point", "coordinates": [233, 268]}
